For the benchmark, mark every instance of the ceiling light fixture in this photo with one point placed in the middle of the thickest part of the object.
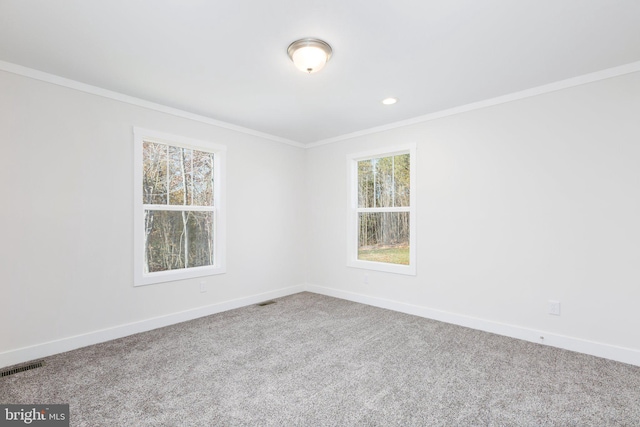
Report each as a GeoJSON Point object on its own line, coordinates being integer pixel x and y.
{"type": "Point", "coordinates": [309, 55]}
{"type": "Point", "coordinates": [389, 101]}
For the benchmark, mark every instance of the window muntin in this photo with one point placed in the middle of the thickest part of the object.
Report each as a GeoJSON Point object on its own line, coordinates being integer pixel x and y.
{"type": "Point", "coordinates": [179, 220]}
{"type": "Point", "coordinates": [381, 217]}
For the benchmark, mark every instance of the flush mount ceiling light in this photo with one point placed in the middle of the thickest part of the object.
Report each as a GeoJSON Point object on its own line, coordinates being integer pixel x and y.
{"type": "Point", "coordinates": [309, 55]}
{"type": "Point", "coordinates": [389, 101]}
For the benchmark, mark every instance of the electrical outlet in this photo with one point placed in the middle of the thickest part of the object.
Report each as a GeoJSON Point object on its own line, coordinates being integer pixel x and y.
{"type": "Point", "coordinates": [203, 286]}
{"type": "Point", "coordinates": [554, 307]}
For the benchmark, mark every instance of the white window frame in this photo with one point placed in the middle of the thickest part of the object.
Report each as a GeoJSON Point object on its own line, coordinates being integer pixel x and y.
{"type": "Point", "coordinates": [141, 278]}
{"type": "Point", "coordinates": [354, 210]}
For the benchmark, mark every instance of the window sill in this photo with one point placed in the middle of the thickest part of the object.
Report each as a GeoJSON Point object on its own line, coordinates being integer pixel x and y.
{"type": "Point", "coordinates": [409, 270]}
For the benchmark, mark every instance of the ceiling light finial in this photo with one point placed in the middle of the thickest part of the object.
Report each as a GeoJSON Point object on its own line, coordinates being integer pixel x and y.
{"type": "Point", "coordinates": [309, 55]}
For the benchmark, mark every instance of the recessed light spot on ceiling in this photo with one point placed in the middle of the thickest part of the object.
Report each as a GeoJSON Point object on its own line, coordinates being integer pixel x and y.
{"type": "Point", "coordinates": [309, 55]}
{"type": "Point", "coordinates": [389, 101]}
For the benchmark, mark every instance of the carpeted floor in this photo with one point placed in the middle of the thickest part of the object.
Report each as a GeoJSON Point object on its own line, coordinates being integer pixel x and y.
{"type": "Point", "coordinates": [311, 360]}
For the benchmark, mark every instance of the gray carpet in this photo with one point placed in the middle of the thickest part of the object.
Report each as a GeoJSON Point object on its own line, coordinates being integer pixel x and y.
{"type": "Point", "coordinates": [311, 360]}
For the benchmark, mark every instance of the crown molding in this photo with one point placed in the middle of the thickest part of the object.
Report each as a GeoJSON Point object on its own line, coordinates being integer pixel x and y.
{"type": "Point", "coordinates": [95, 90]}
{"type": "Point", "coordinates": [527, 93]}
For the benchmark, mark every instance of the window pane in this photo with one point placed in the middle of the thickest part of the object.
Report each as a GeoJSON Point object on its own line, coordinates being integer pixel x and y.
{"type": "Point", "coordinates": [200, 232]}
{"type": "Point", "coordinates": [401, 178]}
{"type": "Point", "coordinates": [179, 162]}
{"type": "Point", "coordinates": [154, 171]}
{"type": "Point", "coordinates": [383, 237]}
{"type": "Point", "coordinates": [203, 178]}
{"type": "Point", "coordinates": [383, 177]}
{"type": "Point", "coordinates": [365, 184]}
{"type": "Point", "coordinates": [163, 240]}
{"type": "Point", "coordinates": [187, 170]}
{"type": "Point", "coordinates": [169, 233]}
{"type": "Point", "coordinates": [384, 182]}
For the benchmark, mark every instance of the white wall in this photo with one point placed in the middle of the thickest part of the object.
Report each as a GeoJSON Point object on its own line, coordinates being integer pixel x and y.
{"type": "Point", "coordinates": [518, 203]}
{"type": "Point", "coordinates": [66, 173]}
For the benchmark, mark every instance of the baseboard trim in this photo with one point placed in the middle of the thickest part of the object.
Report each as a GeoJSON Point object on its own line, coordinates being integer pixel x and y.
{"type": "Point", "coordinates": [607, 351]}
{"type": "Point", "coordinates": [25, 354]}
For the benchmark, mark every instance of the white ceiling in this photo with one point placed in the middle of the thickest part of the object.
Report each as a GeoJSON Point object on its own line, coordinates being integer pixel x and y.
{"type": "Point", "coordinates": [227, 59]}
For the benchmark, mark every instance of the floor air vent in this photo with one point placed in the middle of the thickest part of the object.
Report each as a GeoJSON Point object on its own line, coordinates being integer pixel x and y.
{"type": "Point", "coordinates": [22, 368]}
{"type": "Point", "coordinates": [262, 304]}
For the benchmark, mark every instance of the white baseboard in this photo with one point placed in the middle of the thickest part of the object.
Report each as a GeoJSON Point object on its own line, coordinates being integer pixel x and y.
{"type": "Point", "coordinates": [607, 351]}
{"type": "Point", "coordinates": [25, 354]}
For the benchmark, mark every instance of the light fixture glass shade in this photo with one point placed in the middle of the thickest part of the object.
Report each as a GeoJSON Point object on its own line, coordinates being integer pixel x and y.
{"type": "Point", "coordinates": [309, 55]}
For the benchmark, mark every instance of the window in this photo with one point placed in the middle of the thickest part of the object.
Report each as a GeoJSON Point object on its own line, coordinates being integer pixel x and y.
{"type": "Point", "coordinates": [179, 208]}
{"type": "Point", "coordinates": [382, 210]}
